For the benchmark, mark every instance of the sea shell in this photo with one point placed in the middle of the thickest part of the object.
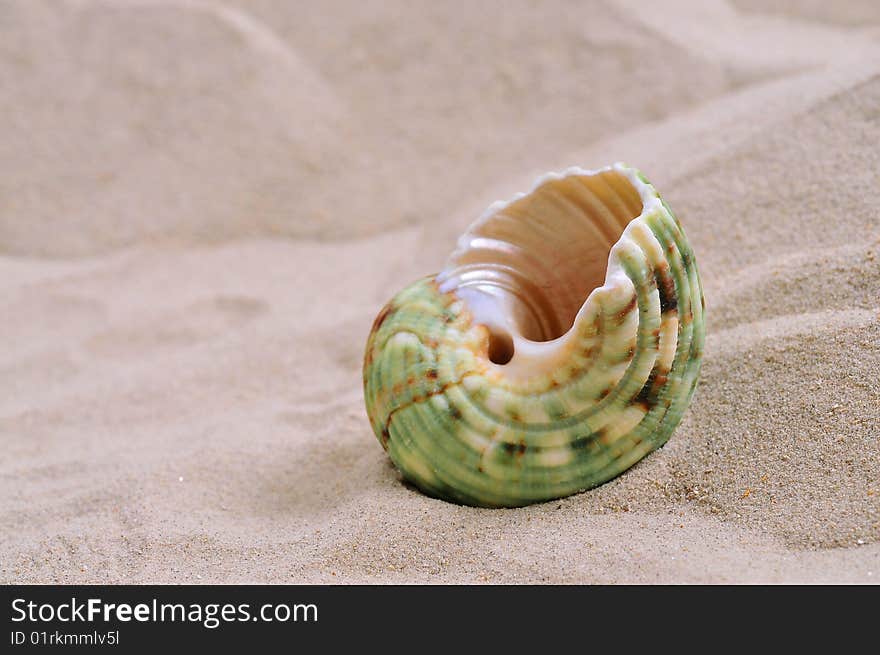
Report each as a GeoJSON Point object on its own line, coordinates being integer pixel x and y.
{"type": "Point", "coordinates": [560, 345]}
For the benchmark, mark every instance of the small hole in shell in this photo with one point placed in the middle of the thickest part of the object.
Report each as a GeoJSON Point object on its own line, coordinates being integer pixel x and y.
{"type": "Point", "coordinates": [500, 347]}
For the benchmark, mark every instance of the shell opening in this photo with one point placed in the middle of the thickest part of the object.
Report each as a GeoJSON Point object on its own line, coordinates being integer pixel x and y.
{"type": "Point", "coordinates": [529, 265]}
{"type": "Point", "coordinates": [500, 347]}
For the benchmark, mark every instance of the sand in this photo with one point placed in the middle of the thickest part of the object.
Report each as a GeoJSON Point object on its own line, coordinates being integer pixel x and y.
{"type": "Point", "coordinates": [203, 205]}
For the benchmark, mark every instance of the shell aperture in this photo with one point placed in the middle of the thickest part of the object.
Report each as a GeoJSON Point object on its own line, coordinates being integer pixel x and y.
{"type": "Point", "coordinates": [560, 344]}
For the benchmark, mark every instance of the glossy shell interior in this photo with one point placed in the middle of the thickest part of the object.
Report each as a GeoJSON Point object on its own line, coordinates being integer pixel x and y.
{"type": "Point", "coordinates": [560, 344]}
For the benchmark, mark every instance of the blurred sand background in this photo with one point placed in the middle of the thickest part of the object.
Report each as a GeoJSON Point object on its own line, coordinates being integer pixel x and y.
{"type": "Point", "coordinates": [203, 205]}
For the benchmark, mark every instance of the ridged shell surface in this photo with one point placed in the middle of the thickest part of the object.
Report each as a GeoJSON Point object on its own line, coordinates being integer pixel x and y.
{"type": "Point", "coordinates": [560, 345]}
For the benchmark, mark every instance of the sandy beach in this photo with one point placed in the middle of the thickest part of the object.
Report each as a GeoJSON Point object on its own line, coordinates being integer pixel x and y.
{"type": "Point", "coordinates": [204, 204]}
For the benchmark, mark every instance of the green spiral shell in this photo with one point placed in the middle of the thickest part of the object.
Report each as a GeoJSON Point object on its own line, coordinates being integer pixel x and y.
{"type": "Point", "coordinates": [460, 428]}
